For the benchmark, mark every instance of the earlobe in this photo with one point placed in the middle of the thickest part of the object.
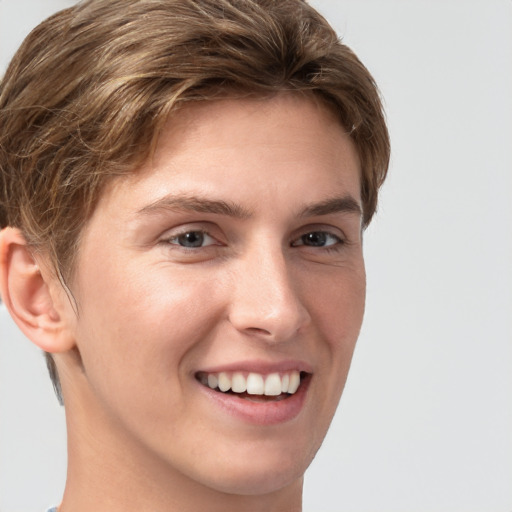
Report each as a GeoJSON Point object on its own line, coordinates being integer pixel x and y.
{"type": "Point", "coordinates": [32, 295]}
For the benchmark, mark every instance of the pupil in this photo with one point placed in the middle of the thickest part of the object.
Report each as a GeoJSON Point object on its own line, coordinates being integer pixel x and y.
{"type": "Point", "coordinates": [192, 239]}
{"type": "Point", "coordinates": [316, 239]}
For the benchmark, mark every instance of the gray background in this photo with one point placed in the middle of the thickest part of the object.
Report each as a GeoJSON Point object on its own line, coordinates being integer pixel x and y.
{"type": "Point", "coordinates": [425, 424]}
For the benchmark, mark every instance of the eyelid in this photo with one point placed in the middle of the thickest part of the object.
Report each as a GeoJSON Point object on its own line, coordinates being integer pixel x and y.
{"type": "Point", "coordinates": [206, 228]}
{"type": "Point", "coordinates": [329, 229]}
{"type": "Point", "coordinates": [176, 236]}
{"type": "Point", "coordinates": [298, 242]}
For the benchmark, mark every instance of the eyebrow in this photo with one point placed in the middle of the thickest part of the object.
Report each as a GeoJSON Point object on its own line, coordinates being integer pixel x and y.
{"type": "Point", "coordinates": [220, 207]}
{"type": "Point", "coordinates": [196, 204]}
{"type": "Point", "coordinates": [345, 204]}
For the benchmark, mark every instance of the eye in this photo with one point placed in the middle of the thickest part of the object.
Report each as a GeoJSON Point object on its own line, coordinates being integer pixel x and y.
{"type": "Point", "coordinates": [318, 239]}
{"type": "Point", "coordinates": [192, 239]}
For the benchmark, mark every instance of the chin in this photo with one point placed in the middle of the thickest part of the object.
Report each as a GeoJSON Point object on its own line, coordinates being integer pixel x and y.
{"type": "Point", "coordinates": [253, 483]}
{"type": "Point", "coordinates": [259, 475]}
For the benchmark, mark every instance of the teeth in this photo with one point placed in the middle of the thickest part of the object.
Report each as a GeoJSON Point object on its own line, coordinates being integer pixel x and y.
{"type": "Point", "coordinates": [224, 381]}
{"type": "Point", "coordinates": [213, 380]}
{"type": "Point", "coordinates": [254, 383]}
{"type": "Point", "coordinates": [273, 385]}
{"type": "Point", "coordinates": [294, 382]}
{"type": "Point", "coordinates": [285, 382]}
{"type": "Point", "coordinates": [238, 383]}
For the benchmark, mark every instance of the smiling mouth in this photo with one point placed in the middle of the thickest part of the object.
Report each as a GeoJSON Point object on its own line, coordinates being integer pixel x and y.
{"type": "Point", "coordinates": [255, 387]}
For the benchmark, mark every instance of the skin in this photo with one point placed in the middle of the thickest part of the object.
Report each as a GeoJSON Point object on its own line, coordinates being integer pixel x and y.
{"type": "Point", "coordinates": [151, 313]}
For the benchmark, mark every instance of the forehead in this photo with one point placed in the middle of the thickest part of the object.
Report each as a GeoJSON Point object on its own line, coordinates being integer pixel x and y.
{"type": "Point", "coordinates": [255, 121]}
{"type": "Point", "coordinates": [286, 125]}
{"type": "Point", "coordinates": [277, 143]}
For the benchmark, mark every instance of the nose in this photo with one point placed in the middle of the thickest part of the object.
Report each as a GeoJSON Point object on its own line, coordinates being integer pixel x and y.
{"type": "Point", "coordinates": [266, 301]}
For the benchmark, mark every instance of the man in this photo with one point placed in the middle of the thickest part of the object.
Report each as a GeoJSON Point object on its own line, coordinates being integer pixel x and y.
{"type": "Point", "coordinates": [184, 186]}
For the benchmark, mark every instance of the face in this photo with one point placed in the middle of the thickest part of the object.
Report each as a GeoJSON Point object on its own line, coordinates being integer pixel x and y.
{"type": "Point", "coordinates": [221, 292]}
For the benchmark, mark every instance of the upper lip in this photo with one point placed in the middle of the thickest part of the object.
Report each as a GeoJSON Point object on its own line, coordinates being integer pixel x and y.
{"type": "Point", "coordinates": [259, 366]}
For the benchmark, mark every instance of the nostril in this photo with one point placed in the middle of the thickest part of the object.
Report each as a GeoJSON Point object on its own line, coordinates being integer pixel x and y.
{"type": "Point", "coordinates": [257, 330]}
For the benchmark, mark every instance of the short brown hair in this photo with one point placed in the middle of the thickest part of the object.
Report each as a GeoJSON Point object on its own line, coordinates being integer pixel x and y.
{"type": "Point", "coordinates": [86, 95]}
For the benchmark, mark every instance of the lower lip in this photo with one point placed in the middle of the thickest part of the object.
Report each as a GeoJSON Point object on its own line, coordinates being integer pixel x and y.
{"type": "Point", "coordinates": [261, 413]}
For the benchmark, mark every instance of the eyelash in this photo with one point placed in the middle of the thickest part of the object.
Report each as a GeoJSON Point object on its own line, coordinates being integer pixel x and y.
{"type": "Point", "coordinates": [201, 232]}
{"type": "Point", "coordinates": [338, 242]}
{"type": "Point", "coordinates": [300, 242]}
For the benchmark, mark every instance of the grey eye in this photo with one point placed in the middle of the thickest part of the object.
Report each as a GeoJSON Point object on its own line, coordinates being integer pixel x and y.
{"type": "Point", "coordinates": [192, 239]}
{"type": "Point", "coordinates": [318, 239]}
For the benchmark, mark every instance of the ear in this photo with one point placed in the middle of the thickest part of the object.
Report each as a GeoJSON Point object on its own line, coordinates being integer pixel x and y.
{"type": "Point", "coordinates": [34, 297]}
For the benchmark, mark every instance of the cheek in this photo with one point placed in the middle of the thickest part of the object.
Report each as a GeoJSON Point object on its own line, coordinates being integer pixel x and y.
{"type": "Point", "coordinates": [339, 312]}
{"type": "Point", "coordinates": [338, 306]}
{"type": "Point", "coordinates": [141, 323]}
{"type": "Point", "coordinates": [135, 295]}
{"type": "Point", "coordinates": [135, 336]}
